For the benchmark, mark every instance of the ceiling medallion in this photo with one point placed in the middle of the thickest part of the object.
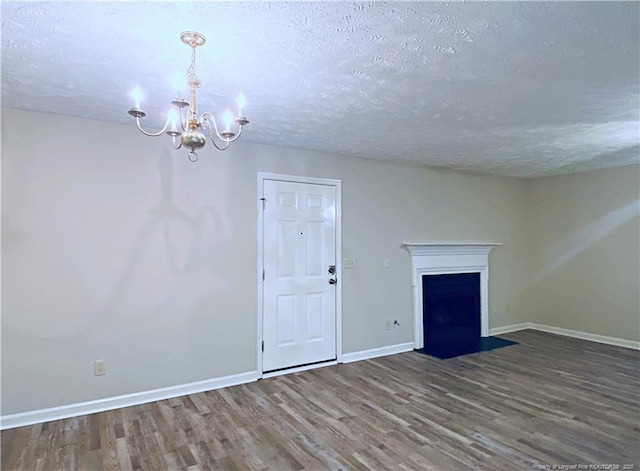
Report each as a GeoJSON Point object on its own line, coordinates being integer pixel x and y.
{"type": "Point", "coordinates": [193, 127]}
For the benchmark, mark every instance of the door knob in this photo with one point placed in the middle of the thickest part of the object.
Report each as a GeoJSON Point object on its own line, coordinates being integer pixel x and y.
{"type": "Point", "coordinates": [332, 269]}
{"type": "Point", "coordinates": [332, 281]}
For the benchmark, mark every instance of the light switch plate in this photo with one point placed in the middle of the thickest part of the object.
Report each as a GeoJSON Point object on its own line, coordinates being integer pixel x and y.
{"type": "Point", "coordinates": [99, 368]}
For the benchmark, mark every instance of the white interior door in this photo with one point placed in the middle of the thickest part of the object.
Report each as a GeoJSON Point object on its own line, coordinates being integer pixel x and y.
{"type": "Point", "coordinates": [299, 299]}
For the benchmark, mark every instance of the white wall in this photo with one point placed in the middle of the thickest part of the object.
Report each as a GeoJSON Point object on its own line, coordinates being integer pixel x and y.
{"type": "Point", "coordinates": [116, 247]}
{"type": "Point", "coordinates": [585, 233]}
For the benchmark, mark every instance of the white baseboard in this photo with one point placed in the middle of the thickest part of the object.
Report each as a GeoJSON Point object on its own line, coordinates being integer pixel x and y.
{"type": "Point", "coordinates": [509, 328]}
{"type": "Point", "coordinates": [377, 352]}
{"type": "Point", "coordinates": [567, 333]}
{"type": "Point", "coordinates": [587, 336]}
{"type": "Point", "coordinates": [100, 405]}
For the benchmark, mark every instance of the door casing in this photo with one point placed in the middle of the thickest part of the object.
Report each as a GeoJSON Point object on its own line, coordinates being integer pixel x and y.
{"type": "Point", "coordinates": [262, 176]}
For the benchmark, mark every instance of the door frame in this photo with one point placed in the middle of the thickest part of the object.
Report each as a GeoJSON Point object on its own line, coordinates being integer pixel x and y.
{"type": "Point", "coordinates": [337, 184]}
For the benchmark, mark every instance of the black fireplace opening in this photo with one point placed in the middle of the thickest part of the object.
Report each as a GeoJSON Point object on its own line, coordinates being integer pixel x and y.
{"type": "Point", "coordinates": [451, 314]}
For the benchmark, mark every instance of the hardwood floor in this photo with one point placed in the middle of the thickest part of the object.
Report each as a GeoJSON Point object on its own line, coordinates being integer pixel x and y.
{"type": "Point", "coordinates": [550, 400]}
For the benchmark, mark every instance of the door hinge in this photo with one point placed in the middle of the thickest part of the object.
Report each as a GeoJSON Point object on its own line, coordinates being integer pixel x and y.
{"type": "Point", "coordinates": [263, 274]}
{"type": "Point", "coordinates": [263, 345]}
{"type": "Point", "coordinates": [264, 202]}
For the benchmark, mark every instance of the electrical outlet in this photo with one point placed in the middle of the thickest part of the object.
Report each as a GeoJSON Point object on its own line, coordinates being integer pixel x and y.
{"type": "Point", "coordinates": [387, 263]}
{"type": "Point", "coordinates": [99, 368]}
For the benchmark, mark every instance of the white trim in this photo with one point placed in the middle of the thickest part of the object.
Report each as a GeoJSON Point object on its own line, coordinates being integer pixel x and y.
{"type": "Point", "coordinates": [298, 369]}
{"type": "Point", "coordinates": [259, 280]}
{"type": "Point", "coordinates": [126, 400]}
{"type": "Point", "coordinates": [587, 336]}
{"type": "Point", "coordinates": [448, 258]}
{"type": "Point", "coordinates": [618, 342]}
{"type": "Point", "coordinates": [450, 248]}
{"type": "Point", "coordinates": [262, 176]}
{"type": "Point", "coordinates": [377, 352]}
{"type": "Point", "coordinates": [339, 277]}
{"type": "Point", "coordinates": [509, 328]}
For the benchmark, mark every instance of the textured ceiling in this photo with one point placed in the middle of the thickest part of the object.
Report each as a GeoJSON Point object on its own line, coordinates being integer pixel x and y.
{"type": "Point", "coordinates": [509, 88]}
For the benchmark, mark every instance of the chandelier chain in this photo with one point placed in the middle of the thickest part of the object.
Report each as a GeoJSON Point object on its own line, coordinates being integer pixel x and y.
{"type": "Point", "coordinates": [191, 71]}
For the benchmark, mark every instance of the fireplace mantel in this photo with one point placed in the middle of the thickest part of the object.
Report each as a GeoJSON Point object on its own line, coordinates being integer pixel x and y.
{"type": "Point", "coordinates": [453, 248]}
{"type": "Point", "coordinates": [438, 258]}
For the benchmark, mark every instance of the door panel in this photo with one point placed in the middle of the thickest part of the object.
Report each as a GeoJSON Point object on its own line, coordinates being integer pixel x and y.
{"type": "Point", "coordinates": [315, 311]}
{"type": "Point", "coordinates": [285, 320]}
{"type": "Point", "coordinates": [299, 237]}
{"type": "Point", "coordinates": [286, 262]}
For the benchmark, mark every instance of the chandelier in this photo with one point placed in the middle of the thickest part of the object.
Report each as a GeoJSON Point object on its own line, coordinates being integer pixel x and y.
{"type": "Point", "coordinates": [186, 128]}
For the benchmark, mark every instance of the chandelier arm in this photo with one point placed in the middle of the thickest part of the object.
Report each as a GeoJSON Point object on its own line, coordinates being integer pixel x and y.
{"type": "Point", "coordinates": [236, 136]}
{"type": "Point", "coordinates": [209, 119]}
{"type": "Point", "coordinates": [152, 134]}
{"type": "Point", "coordinates": [211, 129]}
{"type": "Point", "coordinates": [225, 147]}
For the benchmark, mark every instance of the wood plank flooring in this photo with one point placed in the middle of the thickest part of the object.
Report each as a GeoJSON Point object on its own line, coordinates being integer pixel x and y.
{"type": "Point", "coordinates": [550, 400]}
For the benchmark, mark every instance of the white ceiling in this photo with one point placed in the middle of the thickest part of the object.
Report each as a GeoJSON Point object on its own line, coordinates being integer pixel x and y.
{"type": "Point", "coordinates": [510, 88]}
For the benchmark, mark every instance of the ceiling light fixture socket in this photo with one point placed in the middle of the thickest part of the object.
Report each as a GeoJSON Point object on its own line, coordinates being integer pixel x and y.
{"type": "Point", "coordinates": [180, 103]}
{"type": "Point", "coordinates": [137, 113]}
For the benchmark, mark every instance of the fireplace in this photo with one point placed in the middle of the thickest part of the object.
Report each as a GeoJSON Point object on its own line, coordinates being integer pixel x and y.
{"type": "Point", "coordinates": [429, 259]}
{"type": "Point", "coordinates": [451, 313]}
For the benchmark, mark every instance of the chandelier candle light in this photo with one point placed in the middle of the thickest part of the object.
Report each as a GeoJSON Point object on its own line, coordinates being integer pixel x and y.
{"type": "Point", "coordinates": [192, 125]}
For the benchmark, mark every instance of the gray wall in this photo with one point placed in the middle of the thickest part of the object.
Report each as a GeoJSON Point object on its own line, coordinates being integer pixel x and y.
{"type": "Point", "coordinates": [585, 235]}
{"type": "Point", "coordinates": [115, 247]}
